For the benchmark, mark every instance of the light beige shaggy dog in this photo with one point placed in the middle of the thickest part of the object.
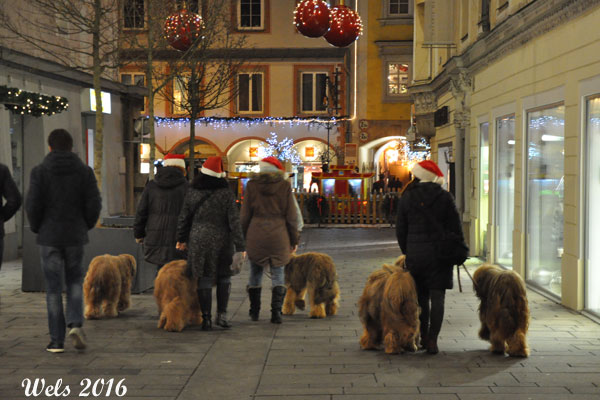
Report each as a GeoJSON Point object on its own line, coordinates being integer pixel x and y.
{"type": "Point", "coordinates": [107, 285]}
{"type": "Point", "coordinates": [315, 273]}
{"type": "Point", "coordinates": [504, 310]}
{"type": "Point", "coordinates": [177, 298]}
{"type": "Point", "coordinates": [389, 310]}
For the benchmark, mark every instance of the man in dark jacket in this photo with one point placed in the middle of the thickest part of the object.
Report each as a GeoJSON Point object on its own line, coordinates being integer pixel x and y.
{"type": "Point", "coordinates": [63, 203]}
{"type": "Point", "coordinates": [423, 206]}
{"type": "Point", "coordinates": [9, 191]}
{"type": "Point", "coordinates": [158, 210]}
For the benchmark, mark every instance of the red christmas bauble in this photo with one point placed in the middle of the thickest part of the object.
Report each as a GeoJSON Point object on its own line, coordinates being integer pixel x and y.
{"type": "Point", "coordinates": [312, 18]}
{"type": "Point", "coordinates": [182, 29]}
{"type": "Point", "coordinates": [346, 26]}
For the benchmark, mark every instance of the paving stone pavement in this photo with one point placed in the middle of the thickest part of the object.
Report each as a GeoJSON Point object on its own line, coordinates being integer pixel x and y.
{"type": "Point", "coordinates": [302, 358]}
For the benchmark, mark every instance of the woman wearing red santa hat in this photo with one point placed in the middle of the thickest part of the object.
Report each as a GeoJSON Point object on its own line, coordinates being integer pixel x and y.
{"type": "Point", "coordinates": [425, 205]}
{"type": "Point", "coordinates": [270, 223]}
{"type": "Point", "coordinates": [158, 209]}
{"type": "Point", "coordinates": [209, 227]}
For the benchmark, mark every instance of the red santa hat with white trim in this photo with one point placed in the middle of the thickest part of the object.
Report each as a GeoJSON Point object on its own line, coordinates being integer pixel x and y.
{"type": "Point", "coordinates": [213, 166]}
{"type": "Point", "coordinates": [270, 164]}
{"type": "Point", "coordinates": [174, 160]}
{"type": "Point", "coordinates": [428, 171]}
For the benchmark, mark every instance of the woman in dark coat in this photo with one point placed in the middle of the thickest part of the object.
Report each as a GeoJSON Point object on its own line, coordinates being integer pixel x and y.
{"type": "Point", "coordinates": [157, 212]}
{"type": "Point", "coordinates": [422, 202]}
{"type": "Point", "coordinates": [270, 220]}
{"type": "Point", "coordinates": [209, 228]}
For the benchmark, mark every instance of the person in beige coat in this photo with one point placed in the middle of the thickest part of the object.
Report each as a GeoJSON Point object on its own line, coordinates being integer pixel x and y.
{"type": "Point", "coordinates": [269, 220]}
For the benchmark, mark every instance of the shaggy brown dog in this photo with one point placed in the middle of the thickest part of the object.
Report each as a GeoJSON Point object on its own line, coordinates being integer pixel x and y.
{"type": "Point", "coordinates": [177, 298]}
{"type": "Point", "coordinates": [389, 310]}
{"type": "Point", "coordinates": [504, 311]}
{"type": "Point", "coordinates": [315, 273]}
{"type": "Point", "coordinates": [107, 285]}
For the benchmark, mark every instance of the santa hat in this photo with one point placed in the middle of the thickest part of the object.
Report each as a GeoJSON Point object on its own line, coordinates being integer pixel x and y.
{"type": "Point", "coordinates": [428, 171]}
{"type": "Point", "coordinates": [174, 160]}
{"type": "Point", "coordinates": [270, 164]}
{"type": "Point", "coordinates": [213, 166]}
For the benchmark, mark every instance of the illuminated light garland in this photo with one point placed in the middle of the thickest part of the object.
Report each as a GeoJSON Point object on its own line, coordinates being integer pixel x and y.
{"type": "Point", "coordinates": [225, 122]}
{"type": "Point", "coordinates": [312, 18]}
{"type": "Point", "coordinates": [283, 151]}
{"type": "Point", "coordinates": [182, 29]}
{"type": "Point", "coordinates": [29, 103]}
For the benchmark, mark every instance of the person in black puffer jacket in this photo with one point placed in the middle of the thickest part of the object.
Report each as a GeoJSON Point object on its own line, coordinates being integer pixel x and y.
{"type": "Point", "coordinates": [62, 204]}
{"type": "Point", "coordinates": [157, 212]}
{"type": "Point", "coordinates": [10, 192]}
{"type": "Point", "coordinates": [417, 239]}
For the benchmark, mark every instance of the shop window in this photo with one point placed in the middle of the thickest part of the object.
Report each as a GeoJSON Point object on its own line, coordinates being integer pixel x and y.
{"type": "Point", "coordinates": [545, 197]}
{"type": "Point", "coordinates": [484, 187]}
{"type": "Point", "coordinates": [250, 93]}
{"type": "Point", "coordinates": [505, 189]}
{"type": "Point", "coordinates": [251, 14]}
{"type": "Point", "coordinates": [133, 14]}
{"type": "Point", "coordinates": [592, 221]}
{"type": "Point", "coordinates": [313, 95]}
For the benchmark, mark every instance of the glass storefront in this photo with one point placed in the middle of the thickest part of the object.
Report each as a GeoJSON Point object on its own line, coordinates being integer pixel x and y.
{"type": "Point", "coordinates": [484, 187]}
{"type": "Point", "coordinates": [592, 253]}
{"type": "Point", "coordinates": [545, 194]}
{"type": "Point", "coordinates": [505, 189]}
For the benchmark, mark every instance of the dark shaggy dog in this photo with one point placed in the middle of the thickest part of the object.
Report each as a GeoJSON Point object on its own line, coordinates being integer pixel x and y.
{"type": "Point", "coordinates": [107, 285]}
{"type": "Point", "coordinates": [177, 298]}
{"type": "Point", "coordinates": [389, 310]}
{"type": "Point", "coordinates": [504, 311]}
{"type": "Point", "coordinates": [315, 273]}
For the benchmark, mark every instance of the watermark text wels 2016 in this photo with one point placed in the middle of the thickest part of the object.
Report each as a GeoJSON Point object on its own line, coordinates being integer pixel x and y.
{"type": "Point", "coordinates": [94, 388]}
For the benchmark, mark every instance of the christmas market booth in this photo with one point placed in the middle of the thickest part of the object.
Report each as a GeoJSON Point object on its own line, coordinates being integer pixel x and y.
{"type": "Point", "coordinates": [341, 180]}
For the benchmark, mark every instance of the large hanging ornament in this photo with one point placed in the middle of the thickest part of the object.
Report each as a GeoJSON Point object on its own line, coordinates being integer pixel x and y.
{"type": "Point", "coordinates": [182, 29]}
{"type": "Point", "coordinates": [312, 18]}
{"type": "Point", "coordinates": [346, 26]}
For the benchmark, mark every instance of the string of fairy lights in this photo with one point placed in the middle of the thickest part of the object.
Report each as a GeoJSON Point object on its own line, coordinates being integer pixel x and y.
{"type": "Point", "coordinates": [22, 102]}
{"type": "Point", "coordinates": [226, 122]}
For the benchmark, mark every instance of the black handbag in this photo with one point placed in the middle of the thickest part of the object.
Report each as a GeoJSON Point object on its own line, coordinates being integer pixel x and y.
{"type": "Point", "coordinates": [450, 247]}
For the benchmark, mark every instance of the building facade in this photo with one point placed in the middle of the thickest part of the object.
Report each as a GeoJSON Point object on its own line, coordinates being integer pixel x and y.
{"type": "Point", "coordinates": [510, 89]}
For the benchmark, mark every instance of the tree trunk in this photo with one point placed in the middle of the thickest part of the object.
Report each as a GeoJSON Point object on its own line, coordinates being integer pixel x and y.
{"type": "Point", "coordinates": [98, 134]}
{"type": "Point", "coordinates": [150, 85]}
{"type": "Point", "coordinates": [192, 95]}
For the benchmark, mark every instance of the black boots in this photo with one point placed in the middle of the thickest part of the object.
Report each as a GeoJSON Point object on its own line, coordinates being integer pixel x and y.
{"type": "Point", "coordinates": [223, 290]}
{"type": "Point", "coordinates": [254, 295]}
{"type": "Point", "coordinates": [205, 299]}
{"type": "Point", "coordinates": [276, 303]}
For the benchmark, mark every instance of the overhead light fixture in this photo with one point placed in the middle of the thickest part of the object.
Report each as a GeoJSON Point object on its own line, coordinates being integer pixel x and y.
{"type": "Point", "coordinates": [552, 138]}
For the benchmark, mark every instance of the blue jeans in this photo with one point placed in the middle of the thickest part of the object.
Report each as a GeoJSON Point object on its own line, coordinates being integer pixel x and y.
{"type": "Point", "coordinates": [256, 274]}
{"type": "Point", "coordinates": [54, 261]}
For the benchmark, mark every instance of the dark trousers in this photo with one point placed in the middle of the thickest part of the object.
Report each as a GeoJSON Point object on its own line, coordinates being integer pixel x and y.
{"type": "Point", "coordinates": [1, 249]}
{"type": "Point", "coordinates": [55, 260]}
{"type": "Point", "coordinates": [431, 302]}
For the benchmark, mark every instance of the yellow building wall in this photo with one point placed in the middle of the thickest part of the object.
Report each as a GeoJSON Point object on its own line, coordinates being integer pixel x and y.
{"type": "Point", "coordinates": [376, 109]}
{"type": "Point", "coordinates": [562, 58]}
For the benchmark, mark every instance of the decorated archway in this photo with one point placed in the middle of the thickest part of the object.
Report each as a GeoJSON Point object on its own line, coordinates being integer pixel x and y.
{"type": "Point", "coordinates": [243, 154]}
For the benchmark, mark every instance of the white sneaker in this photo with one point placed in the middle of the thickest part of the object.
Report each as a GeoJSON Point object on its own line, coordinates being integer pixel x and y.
{"type": "Point", "coordinates": [78, 337]}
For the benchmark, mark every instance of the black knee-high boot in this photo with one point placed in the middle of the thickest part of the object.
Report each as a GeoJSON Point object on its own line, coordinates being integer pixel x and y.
{"type": "Point", "coordinates": [254, 295]}
{"type": "Point", "coordinates": [223, 290]}
{"type": "Point", "coordinates": [277, 303]}
{"type": "Point", "coordinates": [205, 299]}
{"type": "Point", "coordinates": [423, 296]}
{"type": "Point", "coordinates": [436, 318]}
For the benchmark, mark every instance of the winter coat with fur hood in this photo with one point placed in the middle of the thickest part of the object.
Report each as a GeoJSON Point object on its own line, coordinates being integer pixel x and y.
{"type": "Point", "coordinates": [269, 219]}
{"type": "Point", "coordinates": [416, 235]}
{"type": "Point", "coordinates": [63, 201]}
{"type": "Point", "coordinates": [210, 225]}
{"type": "Point", "coordinates": [157, 213]}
